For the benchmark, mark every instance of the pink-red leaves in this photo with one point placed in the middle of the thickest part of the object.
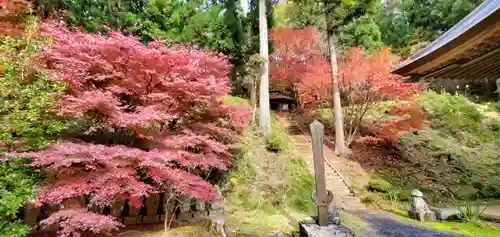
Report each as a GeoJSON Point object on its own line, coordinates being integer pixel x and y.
{"type": "Point", "coordinates": [72, 222]}
{"type": "Point", "coordinates": [147, 117]}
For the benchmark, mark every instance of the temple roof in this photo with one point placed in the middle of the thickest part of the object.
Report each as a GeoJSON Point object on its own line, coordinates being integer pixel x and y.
{"type": "Point", "coordinates": [470, 49]}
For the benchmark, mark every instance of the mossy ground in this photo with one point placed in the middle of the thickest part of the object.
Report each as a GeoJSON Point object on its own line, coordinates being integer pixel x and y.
{"type": "Point", "coordinates": [269, 188]}
{"type": "Point", "coordinates": [463, 228]}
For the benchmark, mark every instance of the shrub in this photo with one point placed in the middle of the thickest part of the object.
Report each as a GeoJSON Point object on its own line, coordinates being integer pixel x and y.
{"type": "Point", "coordinates": [17, 185]}
{"type": "Point", "coordinates": [274, 143]}
{"type": "Point", "coordinates": [370, 198]}
{"type": "Point", "coordinates": [379, 185]}
{"type": "Point", "coordinates": [27, 96]}
{"type": "Point", "coordinates": [150, 119]}
{"type": "Point", "coordinates": [26, 123]}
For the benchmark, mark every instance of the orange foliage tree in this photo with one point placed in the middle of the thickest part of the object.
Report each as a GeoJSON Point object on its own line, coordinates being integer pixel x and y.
{"type": "Point", "coordinates": [297, 67]}
{"type": "Point", "coordinates": [365, 79]}
{"type": "Point", "coordinates": [11, 16]}
{"type": "Point", "coordinates": [315, 87]}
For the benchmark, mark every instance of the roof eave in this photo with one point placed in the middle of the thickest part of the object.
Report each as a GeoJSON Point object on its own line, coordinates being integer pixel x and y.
{"type": "Point", "coordinates": [446, 42]}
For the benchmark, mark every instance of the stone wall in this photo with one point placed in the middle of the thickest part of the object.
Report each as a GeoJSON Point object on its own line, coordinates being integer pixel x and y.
{"type": "Point", "coordinates": [152, 210]}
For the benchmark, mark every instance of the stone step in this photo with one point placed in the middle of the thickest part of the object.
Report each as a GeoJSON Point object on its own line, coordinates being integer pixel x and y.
{"type": "Point", "coordinates": [342, 195]}
{"type": "Point", "coordinates": [351, 199]}
{"type": "Point", "coordinates": [337, 187]}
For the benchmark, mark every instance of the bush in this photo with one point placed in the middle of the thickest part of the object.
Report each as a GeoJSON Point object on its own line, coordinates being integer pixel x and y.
{"type": "Point", "coordinates": [17, 185]}
{"type": "Point", "coordinates": [278, 141]}
{"type": "Point", "coordinates": [275, 143]}
{"type": "Point", "coordinates": [379, 185]}
{"type": "Point", "coordinates": [145, 114]}
{"type": "Point", "coordinates": [370, 198]}
{"type": "Point", "coordinates": [28, 95]}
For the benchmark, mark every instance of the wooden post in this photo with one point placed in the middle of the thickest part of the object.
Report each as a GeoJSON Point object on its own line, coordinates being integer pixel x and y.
{"type": "Point", "coordinates": [319, 172]}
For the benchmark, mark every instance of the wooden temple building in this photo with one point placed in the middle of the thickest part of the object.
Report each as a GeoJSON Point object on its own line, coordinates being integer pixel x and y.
{"type": "Point", "coordinates": [466, 56]}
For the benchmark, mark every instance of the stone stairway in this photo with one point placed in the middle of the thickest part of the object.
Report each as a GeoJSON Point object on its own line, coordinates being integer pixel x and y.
{"type": "Point", "coordinates": [343, 198]}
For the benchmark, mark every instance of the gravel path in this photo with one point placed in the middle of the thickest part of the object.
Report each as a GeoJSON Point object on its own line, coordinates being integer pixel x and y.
{"type": "Point", "coordinates": [385, 226]}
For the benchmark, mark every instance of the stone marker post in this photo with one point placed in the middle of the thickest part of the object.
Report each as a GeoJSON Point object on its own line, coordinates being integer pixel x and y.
{"type": "Point", "coordinates": [321, 196]}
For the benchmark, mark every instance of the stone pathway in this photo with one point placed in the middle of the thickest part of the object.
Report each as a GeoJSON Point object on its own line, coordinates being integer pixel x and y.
{"type": "Point", "coordinates": [343, 198]}
{"type": "Point", "coordinates": [385, 226]}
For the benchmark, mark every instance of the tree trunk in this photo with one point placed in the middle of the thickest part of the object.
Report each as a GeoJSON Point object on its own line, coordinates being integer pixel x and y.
{"type": "Point", "coordinates": [253, 91]}
{"type": "Point", "coordinates": [265, 113]}
{"type": "Point", "coordinates": [253, 97]}
{"type": "Point", "coordinates": [337, 107]}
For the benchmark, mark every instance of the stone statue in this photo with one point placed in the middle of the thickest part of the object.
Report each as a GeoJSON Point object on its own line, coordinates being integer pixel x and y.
{"type": "Point", "coordinates": [419, 209]}
{"type": "Point", "coordinates": [217, 212]}
{"type": "Point", "coordinates": [417, 201]}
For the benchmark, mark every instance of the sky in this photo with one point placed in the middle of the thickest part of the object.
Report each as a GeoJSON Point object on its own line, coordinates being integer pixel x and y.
{"type": "Point", "coordinates": [244, 5]}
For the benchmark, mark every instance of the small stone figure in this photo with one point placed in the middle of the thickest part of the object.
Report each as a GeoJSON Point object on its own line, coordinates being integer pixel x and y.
{"type": "Point", "coordinates": [216, 212]}
{"type": "Point", "coordinates": [419, 209]}
{"type": "Point", "coordinates": [216, 207]}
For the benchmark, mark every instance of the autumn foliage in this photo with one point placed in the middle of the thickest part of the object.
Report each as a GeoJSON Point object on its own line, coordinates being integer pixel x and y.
{"type": "Point", "coordinates": [11, 16]}
{"type": "Point", "coordinates": [372, 73]}
{"type": "Point", "coordinates": [297, 67]}
{"type": "Point", "coordinates": [146, 117]}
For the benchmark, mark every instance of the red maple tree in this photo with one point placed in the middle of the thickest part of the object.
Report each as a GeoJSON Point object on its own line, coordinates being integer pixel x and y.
{"type": "Point", "coordinates": [366, 79]}
{"type": "Point", "coordinates": [146, 117]}
{"type": "Point", "coordinates": [315, 87]}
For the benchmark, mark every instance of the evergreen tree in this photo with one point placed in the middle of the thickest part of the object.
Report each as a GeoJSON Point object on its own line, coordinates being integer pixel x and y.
{"type": "Point", "coordinates": [354, 22]}
{"type": "Point", "coordinates": [409, 23]}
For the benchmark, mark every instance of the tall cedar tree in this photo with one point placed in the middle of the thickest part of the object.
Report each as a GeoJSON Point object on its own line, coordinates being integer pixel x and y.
{"type": "Point", "coordinates": [149, 117]}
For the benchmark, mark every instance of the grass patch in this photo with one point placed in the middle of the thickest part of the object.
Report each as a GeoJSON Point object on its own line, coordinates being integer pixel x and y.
{"type": "Point", "coordinates": [234, 100]}
{"type": "Point", "coordinates": [463, 228]}
{"type": "Point", "coordinates": [268, 191]}
{"type": "Point", "coordinates": [356, 224]}
{"type": "Point", "coordinates": [278, 141]}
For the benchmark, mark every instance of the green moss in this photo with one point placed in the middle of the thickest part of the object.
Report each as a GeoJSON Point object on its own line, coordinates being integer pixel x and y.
{"type": "Point", "coordinates": [463, 228]}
